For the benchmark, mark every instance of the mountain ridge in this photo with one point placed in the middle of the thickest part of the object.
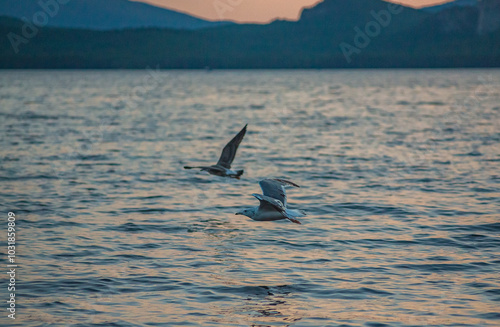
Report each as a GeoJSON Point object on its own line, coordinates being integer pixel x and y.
{"type": "Point", "coordinates": [451, 4]}
{"type": "Point", "coordinates": [104, 15]}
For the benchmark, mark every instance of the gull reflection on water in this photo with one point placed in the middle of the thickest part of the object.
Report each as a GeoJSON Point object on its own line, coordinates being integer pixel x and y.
{"type": "Point", "coordinates": [265, 306]}
{"type": "Point", "coordinates": [235, 274]}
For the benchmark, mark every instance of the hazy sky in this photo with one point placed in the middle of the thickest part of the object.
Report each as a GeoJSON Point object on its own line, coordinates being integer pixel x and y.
{"type": "Point", "coordinates": [253, 10]}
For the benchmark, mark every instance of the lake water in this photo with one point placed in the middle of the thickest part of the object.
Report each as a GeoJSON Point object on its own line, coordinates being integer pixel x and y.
{"type": "Point", "coordinates": [399, 175]}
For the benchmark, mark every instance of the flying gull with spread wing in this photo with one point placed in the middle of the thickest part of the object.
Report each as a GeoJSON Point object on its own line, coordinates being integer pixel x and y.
{"type": "Point", "coordinates": [273, 203]}
{"type": "Point", "coordinates": [223, 166]}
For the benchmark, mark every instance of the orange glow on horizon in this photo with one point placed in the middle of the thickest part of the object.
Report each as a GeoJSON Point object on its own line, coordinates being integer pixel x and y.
{"type": "Point", "coordinates": [255, 11]}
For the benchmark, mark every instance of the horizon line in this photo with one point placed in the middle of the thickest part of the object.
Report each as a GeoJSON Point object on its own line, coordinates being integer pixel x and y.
{"type": "Point", "coordinates": [277, 18]}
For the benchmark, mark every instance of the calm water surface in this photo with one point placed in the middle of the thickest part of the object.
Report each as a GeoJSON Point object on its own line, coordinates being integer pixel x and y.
{"type": "Point", "coordinates": [399, 173]}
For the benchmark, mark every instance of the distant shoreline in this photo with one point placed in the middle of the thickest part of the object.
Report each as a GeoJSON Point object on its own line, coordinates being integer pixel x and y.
{"type": "Point", "coordinates": [361, 34]}
{"type": "Point", "coordinates": [255, 69]}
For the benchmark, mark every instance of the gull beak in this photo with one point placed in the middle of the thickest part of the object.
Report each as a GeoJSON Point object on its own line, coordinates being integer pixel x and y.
{"type": "Point", "coordinates": [237, 213]}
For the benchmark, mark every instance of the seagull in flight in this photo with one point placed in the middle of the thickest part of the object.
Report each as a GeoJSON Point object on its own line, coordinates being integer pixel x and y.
{"type": "Point", "coordinates": [223, 166]}
{"type": "Point", "coordinates": [273, 203]}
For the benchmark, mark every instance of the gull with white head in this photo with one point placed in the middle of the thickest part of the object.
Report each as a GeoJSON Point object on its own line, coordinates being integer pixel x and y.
{"type": "Point", "coordinates": [223, 166]}
{"type": "Point", "coordinates": [273, 203]}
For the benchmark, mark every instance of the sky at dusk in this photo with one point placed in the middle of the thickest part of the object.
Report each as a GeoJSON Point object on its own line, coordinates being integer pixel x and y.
{"type": "Point", "coordinates": [253, 10]}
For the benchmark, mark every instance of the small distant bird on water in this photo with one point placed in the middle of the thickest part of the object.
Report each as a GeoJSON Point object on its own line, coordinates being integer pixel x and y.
{"type": "Point", "coordinates": [273, 203]}
{"type": "Point", "coordinates": [223, 166]}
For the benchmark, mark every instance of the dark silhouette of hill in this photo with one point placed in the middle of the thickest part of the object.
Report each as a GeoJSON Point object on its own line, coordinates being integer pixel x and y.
{"type": "Point", "coordinates": [333, 34]}
{"type": "Point", "coordinates": [103, 14]}
{"type": "Point", "coordinates": [448, 5]}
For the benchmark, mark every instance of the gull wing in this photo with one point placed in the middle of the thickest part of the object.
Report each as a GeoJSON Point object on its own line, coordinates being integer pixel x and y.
{"type": "Point", "coordinates": [268, 204]}
{"type": "Point", "coordinates": [275, 188]}
{"type": "Point", "coordinates": [229, 151]}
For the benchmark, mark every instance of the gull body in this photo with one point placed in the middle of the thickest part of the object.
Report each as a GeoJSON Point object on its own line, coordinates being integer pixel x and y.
{"type": "Point", "coordinates": [220, 171]}
{"type": "Point", "coordinates": [273, 203]}
{"type": "Point", "coordinates": [223, 166]}
{"type": "Point", "coordinates": [257, 215]}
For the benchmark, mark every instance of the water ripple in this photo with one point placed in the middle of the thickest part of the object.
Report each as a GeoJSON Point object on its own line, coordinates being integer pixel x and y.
{"type": "Point", "coordinates": [400, 182]}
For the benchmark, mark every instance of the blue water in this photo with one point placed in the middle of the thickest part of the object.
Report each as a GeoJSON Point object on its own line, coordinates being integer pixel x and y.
{"type": "Point", "coordinates": [399, 175]}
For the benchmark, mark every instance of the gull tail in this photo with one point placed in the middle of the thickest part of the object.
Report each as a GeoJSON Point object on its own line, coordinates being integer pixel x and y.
{"type": "Point", "coordinates": [239, 173]}
{"type": "Point", "coordinates": [295, 213]}
{"type": "Point", "coordinates": [293, 220]}
{"type": "Point", "coordinates": [292, 215]}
